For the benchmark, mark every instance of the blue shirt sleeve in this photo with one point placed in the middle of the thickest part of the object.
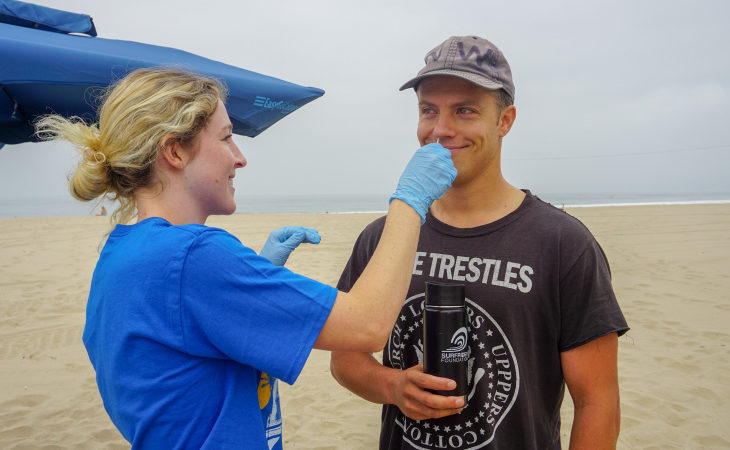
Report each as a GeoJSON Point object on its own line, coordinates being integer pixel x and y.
{"type": "Point", "coordinates": [237, 305]}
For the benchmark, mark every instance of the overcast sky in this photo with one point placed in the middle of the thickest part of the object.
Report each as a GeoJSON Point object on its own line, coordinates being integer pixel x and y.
{"type": "Point", "coordinates": [612, 97]}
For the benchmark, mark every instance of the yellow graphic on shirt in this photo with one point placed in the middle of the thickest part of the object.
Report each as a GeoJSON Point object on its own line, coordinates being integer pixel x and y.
{"type": "Point", "coordinates": [268, 392]}
{"type": "Point", "coordinates": [264, 390]}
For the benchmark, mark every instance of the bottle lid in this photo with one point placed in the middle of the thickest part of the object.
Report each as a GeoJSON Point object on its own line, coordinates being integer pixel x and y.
{"type": "Point", "coordinates": [444, 294]}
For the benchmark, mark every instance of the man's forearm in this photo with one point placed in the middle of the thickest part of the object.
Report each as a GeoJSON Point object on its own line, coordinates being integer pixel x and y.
{"type": "Point", "coordinates": [362, 374]}
{"type": "Point", "coordinates": [407, 389]}
{"type": "Point", "coordinates": [591, 374]}
{"type": "Point", "coordinates": [595, 427]}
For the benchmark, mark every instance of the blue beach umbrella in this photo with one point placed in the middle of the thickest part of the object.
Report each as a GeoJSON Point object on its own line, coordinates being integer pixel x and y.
{"type": "Point", "coordinates": [44, 69]}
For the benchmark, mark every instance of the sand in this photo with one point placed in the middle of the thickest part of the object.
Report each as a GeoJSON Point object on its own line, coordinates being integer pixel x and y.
{"type": "Point", "coordinates": [670, 266]}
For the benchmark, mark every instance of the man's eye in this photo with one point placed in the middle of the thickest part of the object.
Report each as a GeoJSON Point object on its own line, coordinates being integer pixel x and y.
{"type": "Point", "coordinates": [465, 111]}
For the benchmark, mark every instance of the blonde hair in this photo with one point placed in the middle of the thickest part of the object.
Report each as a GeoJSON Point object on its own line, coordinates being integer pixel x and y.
{"type": "Point", "coordinates": [137, 114]}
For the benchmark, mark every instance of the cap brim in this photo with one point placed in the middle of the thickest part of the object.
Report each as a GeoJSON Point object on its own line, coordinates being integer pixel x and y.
{"type": "Point", "coordinates": [410, 83]}
{"type": "Point", "coordinates": [470, 77]}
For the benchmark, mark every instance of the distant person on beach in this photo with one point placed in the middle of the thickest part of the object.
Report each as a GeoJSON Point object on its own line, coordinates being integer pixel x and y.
{"type": "Point", "coordinates": [541, 310]}
{"type": "Point", "coordinates": [103, 211]}
{"type": "Point", "coordinates": [188, 329]}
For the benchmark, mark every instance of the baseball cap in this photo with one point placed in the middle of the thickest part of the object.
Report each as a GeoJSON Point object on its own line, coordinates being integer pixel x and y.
{"type": "Point", "coordinates": [471, 58]}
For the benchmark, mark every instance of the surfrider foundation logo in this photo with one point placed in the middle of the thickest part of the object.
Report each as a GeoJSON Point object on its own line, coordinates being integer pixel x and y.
{"type": "Point", "coordinates": [458, 340]}
{"type": "Point", "coordinates": [493, 378]}
{"type": "Point", "coordinates": [456, 353]}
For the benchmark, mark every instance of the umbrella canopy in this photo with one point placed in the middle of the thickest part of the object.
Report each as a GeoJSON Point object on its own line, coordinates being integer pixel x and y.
{"type": "Point", "coordinates": [43, 71]}
{"type": "Point", "coordinates": [44, 18]}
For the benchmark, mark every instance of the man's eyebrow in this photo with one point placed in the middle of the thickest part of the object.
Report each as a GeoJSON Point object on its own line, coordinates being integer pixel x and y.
{"type": "Point", "coordinates": [472, 103]}
{"type": "Point", "coordinates": [458, 104]}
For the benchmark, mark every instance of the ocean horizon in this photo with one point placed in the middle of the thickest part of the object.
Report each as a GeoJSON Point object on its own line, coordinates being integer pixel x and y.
{"type": "Point", "coordinates": [339, 204]}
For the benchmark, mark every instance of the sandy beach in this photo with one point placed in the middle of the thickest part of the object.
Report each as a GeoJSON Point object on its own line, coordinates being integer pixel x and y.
{"type": "Point", "coordinates": [671, 271]}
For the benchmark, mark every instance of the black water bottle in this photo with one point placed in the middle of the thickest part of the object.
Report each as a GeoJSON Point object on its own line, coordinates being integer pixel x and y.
{"type": "Point", "coordinates": [445, 335]}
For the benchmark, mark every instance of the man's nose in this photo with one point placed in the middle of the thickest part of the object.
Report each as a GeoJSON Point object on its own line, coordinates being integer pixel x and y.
{"type": "Point", "coordinates": [443, 128]}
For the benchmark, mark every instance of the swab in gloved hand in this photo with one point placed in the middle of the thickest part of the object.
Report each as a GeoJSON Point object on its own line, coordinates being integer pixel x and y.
{"type": "Point", "coordinates": [426, 178]}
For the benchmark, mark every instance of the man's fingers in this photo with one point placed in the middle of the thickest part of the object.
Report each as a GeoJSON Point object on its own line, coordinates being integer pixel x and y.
{"type": "Point", "coordinates": [426, 381]}
{"type": "Point", "coordinates": [422, 412]}
{"type": "Point", "coordinates": [431, 413]}
{"type": "Point", "coordinates": [418, 403]}
{"type": "Point", "coordinates": [435, 401]}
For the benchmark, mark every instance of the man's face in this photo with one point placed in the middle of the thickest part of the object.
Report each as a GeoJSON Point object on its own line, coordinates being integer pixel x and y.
{"type": "Point", "coordinates": [465, 119]}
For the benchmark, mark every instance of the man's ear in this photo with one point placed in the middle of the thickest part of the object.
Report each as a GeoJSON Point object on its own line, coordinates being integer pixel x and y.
{"type": "Point", "coordinates": [506, 120]}
{"type": "Point", "coordinates": [173, 154]}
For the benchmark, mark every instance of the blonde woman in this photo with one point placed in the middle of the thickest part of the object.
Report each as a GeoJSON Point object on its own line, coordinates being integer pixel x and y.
{"type": "Point", "coordinates": [187, 328]}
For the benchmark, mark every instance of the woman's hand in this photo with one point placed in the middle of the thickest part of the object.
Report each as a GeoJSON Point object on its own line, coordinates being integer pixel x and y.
{"type": "Point", "coordinates": [283, 241]}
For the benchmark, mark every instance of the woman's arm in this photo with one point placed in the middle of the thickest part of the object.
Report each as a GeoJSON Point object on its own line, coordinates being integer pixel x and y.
{"type": "Point", "coordinates": [362, 319]}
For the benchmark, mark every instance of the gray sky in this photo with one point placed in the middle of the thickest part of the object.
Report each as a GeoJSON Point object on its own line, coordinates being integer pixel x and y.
{"type": "Point", "coordinates": [612, 96]}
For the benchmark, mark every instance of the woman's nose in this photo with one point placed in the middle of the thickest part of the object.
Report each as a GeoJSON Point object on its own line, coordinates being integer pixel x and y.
{"type": "Point", "coordinates": [240, 159]}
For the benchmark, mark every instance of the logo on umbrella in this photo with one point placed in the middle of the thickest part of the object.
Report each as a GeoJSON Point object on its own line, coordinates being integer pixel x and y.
{"type": "Point", "coordinates": [281, 105]}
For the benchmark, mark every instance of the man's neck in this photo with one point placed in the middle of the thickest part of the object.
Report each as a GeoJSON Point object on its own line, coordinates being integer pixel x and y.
{"type": "Point", "coordinates": [477, 204]}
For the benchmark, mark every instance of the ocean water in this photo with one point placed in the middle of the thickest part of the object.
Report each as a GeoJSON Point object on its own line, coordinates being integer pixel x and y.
{"type": "Point", "coordinates": [67, 206]}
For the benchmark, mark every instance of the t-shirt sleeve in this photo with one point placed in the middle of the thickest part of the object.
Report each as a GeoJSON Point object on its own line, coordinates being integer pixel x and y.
{"type": "Point", "coordinates": [237, 305]}
{"type": "Point", "coordinates": [363, 249]}
{"type": "Point", "coordinates": [589, 308]}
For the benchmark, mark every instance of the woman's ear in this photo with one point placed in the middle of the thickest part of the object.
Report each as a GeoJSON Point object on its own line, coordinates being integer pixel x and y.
{"type": "Point", "coordinates": [173, 154]}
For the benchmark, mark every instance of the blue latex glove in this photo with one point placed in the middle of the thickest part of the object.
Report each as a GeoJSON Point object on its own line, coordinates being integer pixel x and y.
{"type": "Point", "coordinates": [426, 178]}
{"type": "Point", "coordinates": [283, 241]}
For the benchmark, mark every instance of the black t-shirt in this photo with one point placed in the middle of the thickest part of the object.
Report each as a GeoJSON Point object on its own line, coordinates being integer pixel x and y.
{"type": "Point", "coordinates": [537, 284]}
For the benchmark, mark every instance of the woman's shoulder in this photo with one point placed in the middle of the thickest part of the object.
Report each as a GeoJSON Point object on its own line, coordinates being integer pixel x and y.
{"type": "Point", "coordinates": [162, 236]}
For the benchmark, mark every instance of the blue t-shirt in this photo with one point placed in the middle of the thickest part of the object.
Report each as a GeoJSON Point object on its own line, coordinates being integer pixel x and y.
{"type": "Point", "coordinates": [188, 331]}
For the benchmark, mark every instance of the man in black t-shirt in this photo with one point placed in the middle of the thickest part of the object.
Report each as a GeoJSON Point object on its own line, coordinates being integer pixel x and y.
{"type": "Point", "coordinates": [540, 306]}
